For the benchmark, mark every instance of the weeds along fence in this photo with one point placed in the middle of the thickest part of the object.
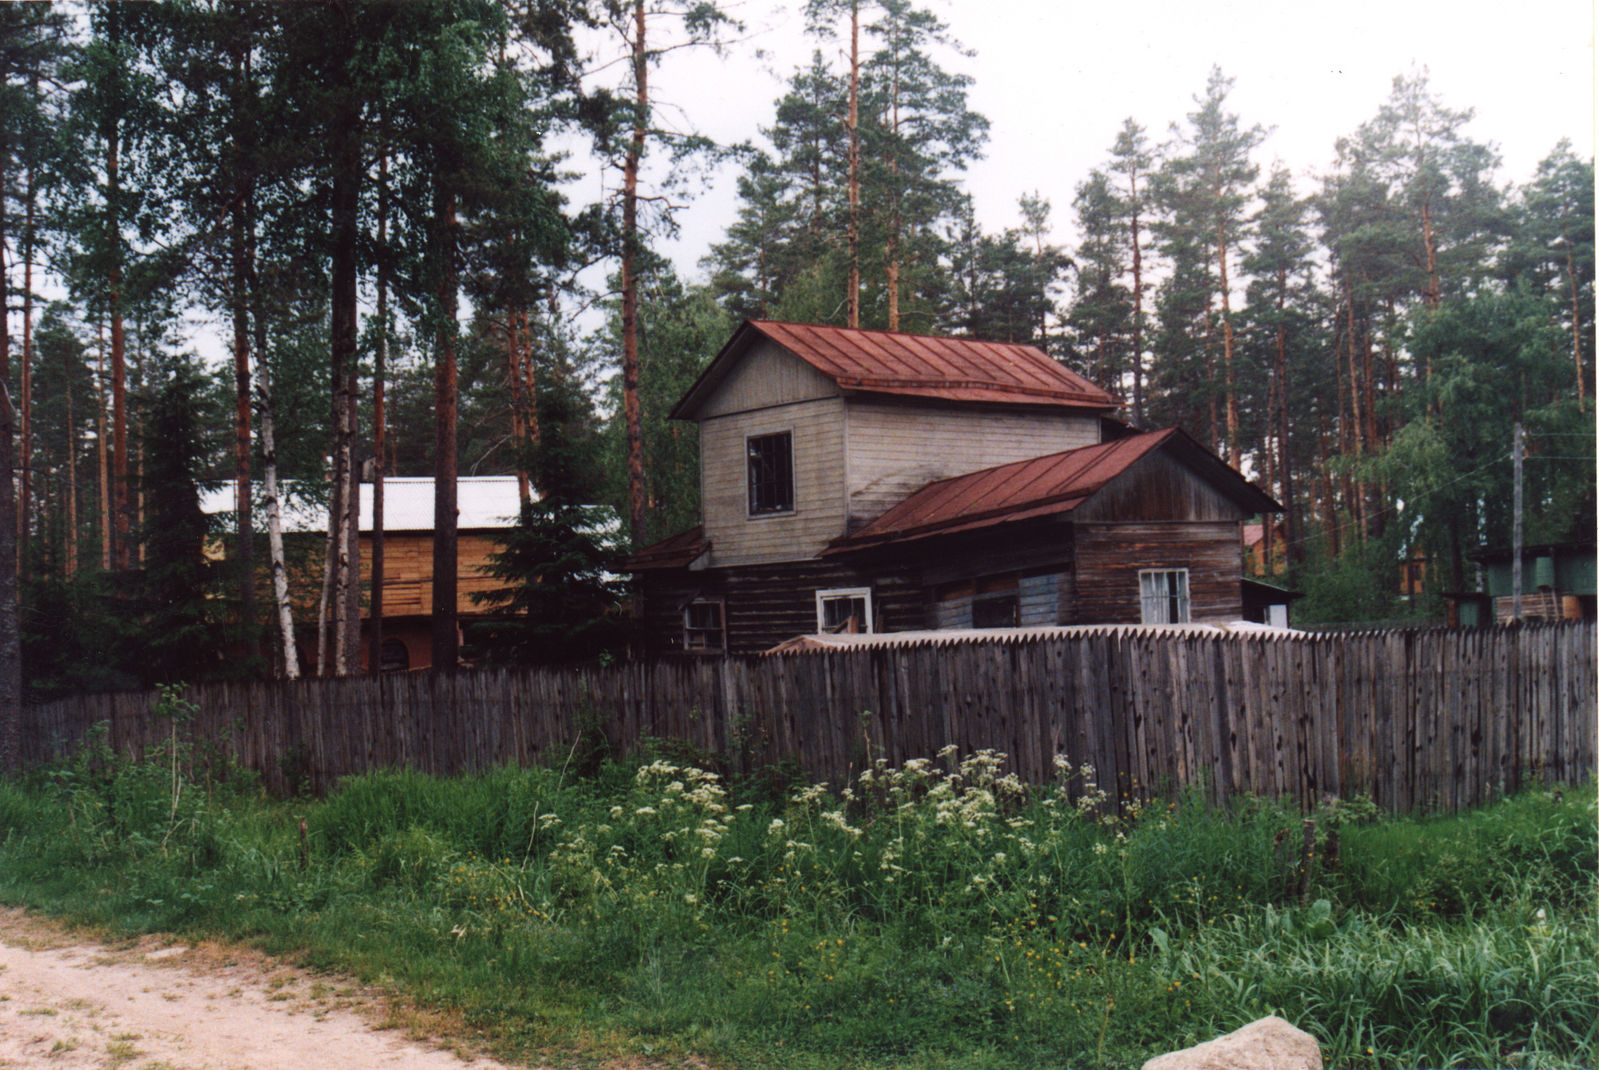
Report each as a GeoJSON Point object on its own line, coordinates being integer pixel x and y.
{"type": "Point", "coordinates": [1418, 720]}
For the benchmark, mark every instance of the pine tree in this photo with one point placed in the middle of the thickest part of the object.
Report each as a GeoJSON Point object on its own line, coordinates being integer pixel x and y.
{"type": "Point", "coordinates": [700, 24]}
{"type": "Point", "coordinates": [919, 134]}
{"type": "Point", "coordinates": [1552, 251]}
{"type": "Point", "coordinates": [1211, 168]}
{"type": "Point", "coordinates": [178, 625]}
{"type": "Point", "coordinates": [1102, 313]}
{"type": "Point", "coordinates": [1278, 300]}
{"type": "Point", "coordinates": [1131, 162]}
{"type": "Point", "coordinates": [560, 603]}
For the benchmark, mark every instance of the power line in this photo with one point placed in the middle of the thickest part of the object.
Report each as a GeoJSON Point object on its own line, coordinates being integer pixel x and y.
{"type": "Point", "coordinates": [1351, 521]}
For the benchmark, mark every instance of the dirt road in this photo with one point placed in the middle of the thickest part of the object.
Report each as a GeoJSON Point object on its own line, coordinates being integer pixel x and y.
{"type": "Point", "coordinates": [68, 1003]}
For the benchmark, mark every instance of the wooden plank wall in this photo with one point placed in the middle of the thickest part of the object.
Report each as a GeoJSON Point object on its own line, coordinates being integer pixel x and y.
{"type": "Point", "coordinates": [1418, 720]}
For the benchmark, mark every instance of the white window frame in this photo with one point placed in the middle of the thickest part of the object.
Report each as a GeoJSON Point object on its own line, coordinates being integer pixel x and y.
{"type": "Point", "coordinates": [689, 629]}
{"type": "Point", "coordinates": [833, 593]}
{"type": "Point", "coordinates": [1154, 604]}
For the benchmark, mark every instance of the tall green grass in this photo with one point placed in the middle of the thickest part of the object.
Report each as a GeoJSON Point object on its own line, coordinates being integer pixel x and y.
{"type": "Point", "coordinates": [938, 914]}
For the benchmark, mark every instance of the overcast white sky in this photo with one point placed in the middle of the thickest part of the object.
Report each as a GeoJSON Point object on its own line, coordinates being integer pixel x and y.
{"type": "Point", "coordinates": [1056, 81]}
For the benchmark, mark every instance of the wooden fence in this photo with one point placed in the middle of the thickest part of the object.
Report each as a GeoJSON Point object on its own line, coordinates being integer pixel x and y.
{"type": "Point", "coordinates": [1418, 720]}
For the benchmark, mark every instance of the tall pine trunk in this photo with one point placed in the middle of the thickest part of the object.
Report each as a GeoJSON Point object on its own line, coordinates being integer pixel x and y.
{"type": "Point", "coordinates": [241, 247]}
{"type": "Point", "coordinates": [446, 638]}
{"type": "Point", "coordinates": [25, 497]}
{"type": "Point", "coordinates": [853, 296]}
{"type": "Point", "coordinates": [1284, 463]}
{"type": "Point", "coordinates": [1235, 453]}
{"type": "Point", "coordinates": [630, 250]}
{"type": "Point", "coordinates": [891, 243]}
{"type": "Point", "coordinates": [72, 468]}
{"type": "Point", "coordinates": [1576, 324]}
{"type": "Point", "coordinates": [518, 383]}
{"type": "Point", "coordinates": [121, 505]}
{"type": "Point", "coordinates": [10, 618]}
{"type": "Point", "coordinates": [1138, 306]}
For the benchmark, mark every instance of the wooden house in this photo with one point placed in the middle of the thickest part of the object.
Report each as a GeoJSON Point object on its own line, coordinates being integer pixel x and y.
{"type": "Point", "coordinates": [1256, 548]}
{"type": "Point", "coordinates": [1558, 582]}
{"type": "Point", "coordinates": [485, 507]}
{"type": "Point", "coordinates": [872, 481]}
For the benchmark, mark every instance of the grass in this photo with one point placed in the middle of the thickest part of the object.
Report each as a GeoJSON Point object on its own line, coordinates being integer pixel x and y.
{"type": "Point", "coordinates": [934, 915]}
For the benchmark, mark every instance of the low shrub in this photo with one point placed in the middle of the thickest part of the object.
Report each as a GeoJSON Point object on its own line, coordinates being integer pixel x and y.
{"type": "Point", "coordinates": [939, 912]}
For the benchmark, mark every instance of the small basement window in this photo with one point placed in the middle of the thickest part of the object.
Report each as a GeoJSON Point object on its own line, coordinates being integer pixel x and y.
{"type": "Point", "coordinates": [393, 656]}
{"type": "Point", "coordinates": [844, 609]}
{"type": "Point", "coordinates": [771, 473]}
{"type": "Point", "coordinates": [1163, 595]}
{"type": "Point", "coordinates": [996, 611]}
{"type": "Point", "coordinates": [703, 630]}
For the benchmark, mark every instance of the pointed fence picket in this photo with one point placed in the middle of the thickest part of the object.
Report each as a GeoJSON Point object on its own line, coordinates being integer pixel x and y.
{"type": "Point", "coordinates": [1417, 720]}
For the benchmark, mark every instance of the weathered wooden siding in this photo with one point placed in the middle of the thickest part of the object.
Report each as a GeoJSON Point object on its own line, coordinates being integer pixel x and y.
{"type": "Point", "coordinates": [1418, 720]}
{"type": "Point", "coordinates": [408, 571]}
{"type": "Point", "coordinates": [896, 448]}
{"type": "Point", "coordinates": [1038, 600]}
{"type": "Point", "coordinates": [818, 517]}
{"type": "Point", "coordinates": [767, 375]}
{"type": "Point", "coordinates": [768, 604]}
{"type": "Point", "coordinates": [1159, 487]}
{"type": "Point", "coordinates": [1110, 555]}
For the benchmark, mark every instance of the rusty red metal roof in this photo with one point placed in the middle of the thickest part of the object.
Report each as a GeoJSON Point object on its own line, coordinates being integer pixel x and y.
{"type": "Point", "coordinates": [674, 551]}
{"type": "Point", "coordinates": [911, 365]}
{"type": "Point", "coordinates": [1040, 486]}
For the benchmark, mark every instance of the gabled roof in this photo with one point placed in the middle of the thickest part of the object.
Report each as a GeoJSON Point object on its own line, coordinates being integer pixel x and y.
{"type": "Point", "coordinates": [1495, 554]}
{"type": "Point", "coordinates": [481, 503]}
{"type": "Point", "coordinates": [674, 551]}
{"type": "Point", "coordinates": [1041, 486]}
{"type": "Point", "coordinates": [887, 362]}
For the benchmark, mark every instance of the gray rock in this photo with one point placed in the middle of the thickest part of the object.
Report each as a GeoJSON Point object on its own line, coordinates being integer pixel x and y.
{"type": "Point", "coordinates": [1264, 1044]}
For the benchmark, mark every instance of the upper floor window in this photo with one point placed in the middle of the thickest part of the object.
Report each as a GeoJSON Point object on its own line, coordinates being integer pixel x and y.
{"type": "Point", "coordinates": [1163, 595]}
{"type": "Point", "coordinates": [844, 609]}
{"type": "Point", "coordinates": [771, 473]}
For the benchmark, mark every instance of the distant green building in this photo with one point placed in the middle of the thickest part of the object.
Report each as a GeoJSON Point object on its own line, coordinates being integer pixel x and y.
{"type": "Point", "coordinates": [1558, 582]}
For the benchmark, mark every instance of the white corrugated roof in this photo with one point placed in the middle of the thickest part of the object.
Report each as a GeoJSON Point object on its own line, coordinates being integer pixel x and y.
{"type": "Point", "coordinates": [862, 641]}
{"type": "Point", "coordinates": [481, 502]}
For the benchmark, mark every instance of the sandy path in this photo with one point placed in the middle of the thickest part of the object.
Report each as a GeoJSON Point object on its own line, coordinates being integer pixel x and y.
{"type": "Point", "coordinates": [154, 1005]}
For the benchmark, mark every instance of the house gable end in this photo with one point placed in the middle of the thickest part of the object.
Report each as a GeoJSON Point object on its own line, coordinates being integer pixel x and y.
{"type": "Point", "coordinates": [762, 375]}
{"type": "Point", "coordinates": [1159, 486]}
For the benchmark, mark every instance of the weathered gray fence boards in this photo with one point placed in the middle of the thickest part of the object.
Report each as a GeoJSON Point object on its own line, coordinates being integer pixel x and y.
{"type": "Point", "coordinates": [1416, 719]}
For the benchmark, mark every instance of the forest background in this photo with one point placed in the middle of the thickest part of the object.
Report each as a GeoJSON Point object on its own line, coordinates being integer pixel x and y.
{"type": "Point", "coordinates": [283, 246]}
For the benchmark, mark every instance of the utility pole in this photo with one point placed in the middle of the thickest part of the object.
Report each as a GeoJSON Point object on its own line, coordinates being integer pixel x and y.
{"type": "Point", "coordinates": [1515, 536]}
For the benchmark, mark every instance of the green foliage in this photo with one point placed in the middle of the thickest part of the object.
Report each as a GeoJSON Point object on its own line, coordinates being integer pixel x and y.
{"type": "Point", "coordinates": [182, 635]}
{"type": "Point", "coordinates": [935, 914]}
{"type": "Point", "coordinates": [76, 636]}
{"type": "Point", "coordinates": [563, 605]}
{"type": "Point", "coordinates": [1357, 585]}
{"type": "Point", "coordinates": [680, 329]}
